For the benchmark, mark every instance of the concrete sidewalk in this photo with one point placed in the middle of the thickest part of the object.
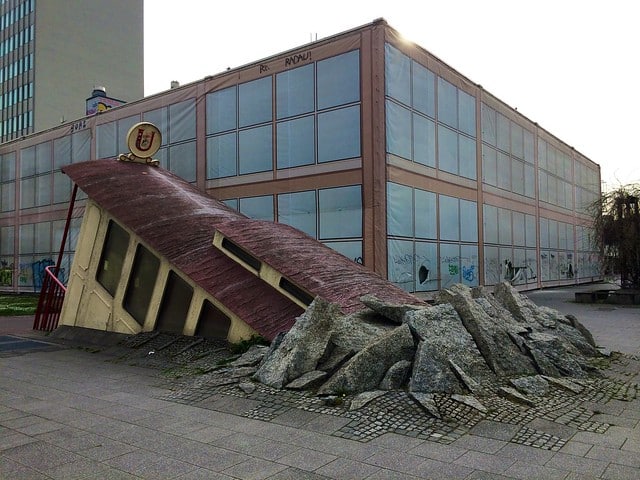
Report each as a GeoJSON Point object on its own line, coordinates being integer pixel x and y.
{"type": "Point", "coordinates": [69, 413]}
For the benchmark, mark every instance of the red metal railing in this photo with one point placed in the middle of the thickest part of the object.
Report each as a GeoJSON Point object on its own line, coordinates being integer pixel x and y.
{"type": "Point", "coordinates": [53, 291]}
{"type": "Point", "coordinates": [50, 302]}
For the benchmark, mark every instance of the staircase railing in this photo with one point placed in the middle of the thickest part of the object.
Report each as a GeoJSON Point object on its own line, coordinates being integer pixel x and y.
{"type": "Point", "coordinates": [50, 302]}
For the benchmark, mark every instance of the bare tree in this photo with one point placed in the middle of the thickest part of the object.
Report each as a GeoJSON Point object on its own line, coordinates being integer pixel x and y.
{"type": "Point", "coordinates": [617, 232]}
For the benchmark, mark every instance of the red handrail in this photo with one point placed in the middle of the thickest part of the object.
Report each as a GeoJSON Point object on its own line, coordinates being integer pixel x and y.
{"type": "Point", "coordinates": [50, 302]}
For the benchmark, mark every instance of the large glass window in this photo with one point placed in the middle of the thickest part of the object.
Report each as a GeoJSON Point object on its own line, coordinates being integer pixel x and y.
{"type": "Point", "coordinates": [339, 134]}
{"type": "Point", "coordinates": [399, 210]}
{"type": "Point", "coordinates": [260, 208]}
{"type": "Point", "coordinates": [339, 80]}
{"type": "Point", "coordinates": [295, 145]}
{"type": "Point", "coordinates": [449, 218]}
{"type": "Point", "coordinates": [254, 150]}
{"type": "Point", "coordinates": [295, 91]}
{"type": "Point", "coordinates": [425, 214]}
{"type": "Point", "coordinates": [222, 156]}
{"type": "Point", "coordinates": [221, 110]}
{"type": "Point", "coordinates": [424, 141]}
{"type": "Point", "coordinates": [114, 250]}
{"type": "Point", "coordinates": [213, 322]}
{"type": "Point", "coordinates": [298, 210]}
{"type": "Point", "coordinates": [340, 212]}
{"type": "Point", "coordinates": [254, 102]}
{"type": "Point", "coordinates": [141, 283]}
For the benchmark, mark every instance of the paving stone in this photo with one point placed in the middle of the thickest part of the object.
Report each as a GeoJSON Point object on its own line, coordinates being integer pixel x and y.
{"type": "Point", "coordinates": [204, 474]}
{"type": "Point", "coordinates": [563, 461]}
{"type": "Point", "coordinates": [485, 461]}
{"type": "Point", "coordinates": [576, 448]}
{"type": "Point", "coordinates": [396, 461]}
{"type": "Point", "coordinates": [479, 444]}
{"type": "Point", "coordinates": [526, 454]}
{"type": "Point", "coordinates": [297, 474]}
{"type": "Point", "coordinates": [527, 471]}
{"type": "Point", "coordinates": [40, 456]}
{"type": "Point", "coordinates": [620, 472]}
{"type": "Point", "coordinates": [438, 451]}
{"type": "Point", "coordinates": [11, 440]}
{"type": "Point", "coordinates": [254, 469]}
{"type": "Point", "coordinates": [613, 455]}
{"type": "Point", "coordinates": [434, 469]}
{"type": "Point", "coordinates": [306, 459]}
{"type": "Point", "coordinates": [495, 430]}
{"type": "Point", "coordinates": [150, 465]}
{"type": "Point", "coordinates": [16, 471]}
{"type": "Point", "coordinates": [344, 468]}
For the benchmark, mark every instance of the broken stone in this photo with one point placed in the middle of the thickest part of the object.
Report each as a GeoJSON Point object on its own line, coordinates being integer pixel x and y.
{"type": "Point", "coordinates": [515, 396]}
{"type": "Point", "coordinates": [354, 332]}
{"type": "Point", "coordinates": [251, 357]}
{"type": "Point", "coordinates": [534, 385]}
{"type": "Point", "coordinates": [470, 383]}
{"type": "Point", "coordinates": [470, 401]}
{"type": "Point", "coordinates": [367, 368]}
{"type": "Point", "coordinates": [362, 399]}
{"type": "Point", "coordinates": [334, 358]}
{"type": "Point", "coordinates": [247, 387]}
{"type": "Point", "coordinates": [560, 353]}
{"type": "Point", "coordinates": [392, 312]}
{"type": "Point", "coordinates": [575, 323]}
{"type": "Point", "coordinates": [302, 347]}
{"type": "Point", "coordinates": [427, 402]}
{"type": "Point", "coordinates": [396, 376]}
{"type": "Point", "coordinates": [491, 335]}
{"type": "Point", "coordinates": [443, 338]}
{"type": "Point", "coordinates": [308, 381]}
{"type": "Point", "coordinates": [564, 383]}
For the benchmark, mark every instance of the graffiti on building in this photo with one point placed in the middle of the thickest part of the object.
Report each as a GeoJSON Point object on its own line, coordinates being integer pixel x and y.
{"type": "Point", "coordinates": [297, 58]}
{"type": "Point", "coordinates": [32, 274]}
{"type": "Point", "coordinates": [469, 273]}
{"type": "Point", "coordinates": [6, 274]}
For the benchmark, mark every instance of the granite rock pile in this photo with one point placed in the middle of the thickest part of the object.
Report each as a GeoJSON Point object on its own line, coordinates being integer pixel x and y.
{"type": "Point", "coordinates": [470, 341]}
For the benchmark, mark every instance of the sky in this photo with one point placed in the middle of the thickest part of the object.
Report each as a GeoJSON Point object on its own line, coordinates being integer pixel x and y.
{"type": "Point", "coordinates": [569, 65]}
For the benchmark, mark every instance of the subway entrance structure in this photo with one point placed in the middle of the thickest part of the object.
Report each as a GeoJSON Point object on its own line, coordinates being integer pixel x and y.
{"type": "Point", "coordinates": [364, 141]}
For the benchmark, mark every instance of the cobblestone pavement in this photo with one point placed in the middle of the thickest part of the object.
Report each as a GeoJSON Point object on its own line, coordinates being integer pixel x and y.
{"type": "Point", "coordinates": [161, 406]}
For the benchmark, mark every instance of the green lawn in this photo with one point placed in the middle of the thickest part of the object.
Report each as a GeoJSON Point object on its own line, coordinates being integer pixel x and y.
{"type": "Point", "coordinates": [17, 305]}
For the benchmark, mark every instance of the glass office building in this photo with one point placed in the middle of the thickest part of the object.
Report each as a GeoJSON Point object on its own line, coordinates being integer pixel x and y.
{"type": "Point", "coordinates": [364, 141]}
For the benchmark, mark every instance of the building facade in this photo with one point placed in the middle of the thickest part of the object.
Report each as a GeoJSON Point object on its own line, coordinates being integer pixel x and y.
{"type": "Point", "coordinates": [54, 53]}
{"type": "Point", "coordinates": [363, 141]}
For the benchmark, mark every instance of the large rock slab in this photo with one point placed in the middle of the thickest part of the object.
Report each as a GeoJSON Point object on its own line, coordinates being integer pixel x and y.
{"type": "Point", "coordinates": [492, 338]}
{"type": "Point", "coordinates": [558, 352]}
{"type": "Point", "coordinates": [302, 347]}
{"type": "Point", "coordinates": [443, 339]}
{"type": "Point", "coordinates": [367, 368]}
{"type": "Point", "coordinates": [392, 312]}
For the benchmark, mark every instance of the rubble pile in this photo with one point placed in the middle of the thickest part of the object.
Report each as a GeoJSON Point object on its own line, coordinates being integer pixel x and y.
{"type": "Point", "coordinates": [471, 341]}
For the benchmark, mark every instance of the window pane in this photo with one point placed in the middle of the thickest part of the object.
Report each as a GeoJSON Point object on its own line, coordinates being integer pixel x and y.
{"type": "Point", "coordinates": [43, 157]}
{"type": "Point", "coordinates": [141, 284]}
{"type": "Point", "coordinates": [351, 250]}
{"type": "Point", "coordinates": [488, 125]}
{"type": "Point", "coordinates": [489, 171]}
{"type": "Point", "coordinates": [449, 218]}
{"type": "Point", "coordinates": [399, 210]}
{"type": "Point", "coordinates": [339, 134]}
{"type": "Point", "coordinates": [467, 113]}
{"type": "Point", "coordinates": [467, 161]}
{"type": "Point", "coordinates": [468, 221]}
{"type": "Point", "coordinates": [398, 130]}
{"type": "Point", "coordinates": [517, 141]}
{"type": "Point", "coordinates": [221, 110]}
{"type": "Point", "coordinates": [8, 196]}
{"type": "Point", "coordinates": [175, 304]}
{"type": "Point", "coordinates": [447, 150]}
{"type": "Point", "coordinates": [43, 190]}
{"type": "Point", "coordinates": [449, 264]}
{"type": "Point", "coordinates": [254, 102]}
{"type": "Point", "coordinates": [447, 103]}
{"type": "Point", "coordinates": [490, 224]}
{"type": "Point", "coordinates": [469, 265]}
{"type": "Point", "coordinates": [504, 171]}
{"type": "Point", "coordinates": [27, 238]}
{"type": "Point", "coordinates": [426, 266]}
{"type": "Point", "coordinates": [503, 137]}
{"type": "Point", "coordinates": [28, 161]}
{"type": "Point", "coordinates": [340, 212]}
{"type": "Point", "coordinates": [295, 91]}
{"type": "Point", "coordinates": [529, 181]}
{"type": "Point", "coordinates": [61, 151]}
{"type": "Point", "coordinates": [299, 211]}
{"type": "Point", "coordinates": [423, 88]}
{"type": "Point", "coordinates": [492, 266]}
{"type": "Point", "coordinates": [528, 146]}
{"type": "Point", "coordinates": [339, 80]}
{"type": "Point", "coordinates": [397, 75]}
{"type": "Point", "coordinates": [518, 228]}
{"type": "Point", "coordinates": [106, 140]}
{"type": "Point", "coordinates": [182, 121]}
{"type": "Point", "coordinates": [504, 226]}
{"type": "Point", "coordinates": [517, 177]}
{"type": "Point", "coordinates": [425, 214]}
{"type": "Point", "coordinates": [424, 141]}
{"type": "Point", "coordinates": [400, 263]}
{"type": "Point", "coordinates": [114, 251]}
{"type": "Point", "coordinates": [296, 142]}
{"type": "Point", "coordinates": [8, 167]}
{"type": "Point", "coordinates": [221, 156]}
{"type": "Point", "coordinates": [530, 227]}
{"type": "Point", "coordinates": [260, 208]}
{"type": "Point", "coordinates": [182, 160]}
{"type": "Point", "coordinates": [255, 150]}
{"type": "Point", "coordinates": [28, 192]}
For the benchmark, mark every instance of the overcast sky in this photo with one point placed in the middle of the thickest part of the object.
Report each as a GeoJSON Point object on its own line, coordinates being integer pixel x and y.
{"type": "Point", "coordinates": [569, 65]}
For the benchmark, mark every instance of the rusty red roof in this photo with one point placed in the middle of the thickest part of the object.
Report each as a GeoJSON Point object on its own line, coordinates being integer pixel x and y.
{"type": "Point", "coordinates": [179, 221]}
